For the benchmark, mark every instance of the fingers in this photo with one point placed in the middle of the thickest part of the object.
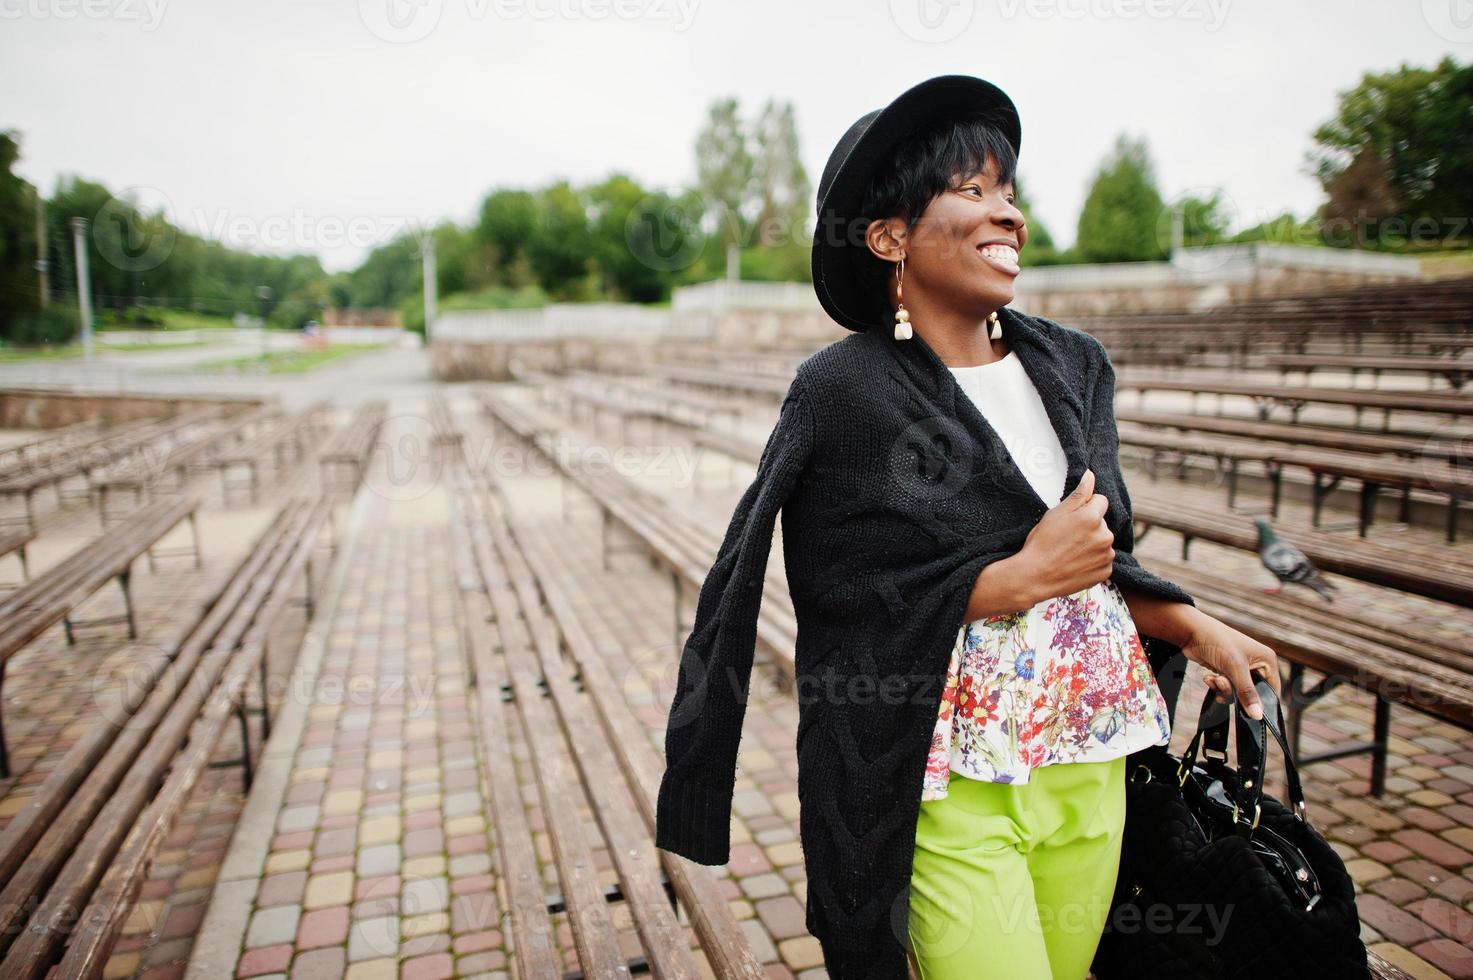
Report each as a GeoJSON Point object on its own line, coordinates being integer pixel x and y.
{"type": "Point", "coordinates": [1242, 678]}
{"type": "Point", "coordinates": [1084, 490]}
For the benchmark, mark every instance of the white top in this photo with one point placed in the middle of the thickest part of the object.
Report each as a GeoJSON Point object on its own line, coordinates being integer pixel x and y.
{"type": "Point", "coordinates": [1065, 681]}
{"type": "Point", "coordinates": [1004, 394]}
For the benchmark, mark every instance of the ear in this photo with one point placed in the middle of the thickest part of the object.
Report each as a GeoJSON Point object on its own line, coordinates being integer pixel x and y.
{"type": "Point", "coordinates": [886, 238]}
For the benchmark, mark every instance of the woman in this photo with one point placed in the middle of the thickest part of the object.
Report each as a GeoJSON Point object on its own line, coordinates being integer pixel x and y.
{"type": "Point", "coordinates": [969, 663]}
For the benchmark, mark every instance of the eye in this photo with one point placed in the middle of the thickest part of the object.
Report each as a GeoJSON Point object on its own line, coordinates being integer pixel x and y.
{"type": "Point", "coordinates": [972, 187]}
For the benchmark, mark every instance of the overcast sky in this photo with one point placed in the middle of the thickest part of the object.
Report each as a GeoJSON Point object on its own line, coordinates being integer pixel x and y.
{"type": "Point", "coordinates": [329, 125]}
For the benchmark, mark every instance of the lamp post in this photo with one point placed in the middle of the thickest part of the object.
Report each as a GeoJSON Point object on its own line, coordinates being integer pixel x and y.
{"type": "Point", "coordinates": [263, 300]}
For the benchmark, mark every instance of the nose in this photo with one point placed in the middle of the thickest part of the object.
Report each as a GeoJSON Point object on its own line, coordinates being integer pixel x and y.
{"type": "Point", "coordinates": [1010, 217]}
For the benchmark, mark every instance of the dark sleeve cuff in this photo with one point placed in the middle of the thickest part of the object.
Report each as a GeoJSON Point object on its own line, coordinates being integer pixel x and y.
{"type": "Point", "coordinates": [694, 820]}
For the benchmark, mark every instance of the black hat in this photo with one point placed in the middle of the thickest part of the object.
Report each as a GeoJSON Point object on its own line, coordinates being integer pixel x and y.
{"type": "Point", "coordinates": [854, 161]}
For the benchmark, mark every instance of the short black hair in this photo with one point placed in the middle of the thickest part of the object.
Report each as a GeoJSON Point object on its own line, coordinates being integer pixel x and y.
{"type": "Point", "coordinates": [921, 168]}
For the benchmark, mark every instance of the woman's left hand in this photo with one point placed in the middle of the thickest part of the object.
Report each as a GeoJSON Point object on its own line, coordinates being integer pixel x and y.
{"type": "Point", "coordinates": [1232, 656]}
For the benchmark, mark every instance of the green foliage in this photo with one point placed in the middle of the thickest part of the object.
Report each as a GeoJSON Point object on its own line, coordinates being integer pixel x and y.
{"type": "Point", "coordinates": [1396, 160]}
{"type": "Point", "coordinates": [20, 291]}
{"type": "Point", "coordinates": [1285, 229]}
{"type": "Point", "coordinates": [57, 324]}
{"type": "Point", "coordinates": [726, 172]}
{"type": "Point", "coordinates": [1122, 212]}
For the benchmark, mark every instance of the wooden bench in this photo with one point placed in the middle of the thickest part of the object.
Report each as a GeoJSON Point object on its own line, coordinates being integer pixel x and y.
{"type": "Point", "coordinates": [1455, 371]}
{"type": "Point", "coordinates": [141, 473]}
{"type": "Point", "coordinates": [47, 445]}
{"type": "Point", "coordinates": [752, 386]}
{"type": "Point", "coordinates": [53, 596]}
{"type": "Point", "coordinates": [1267, 396]}
{"type": "Point", "coordinates": [1388, 661]}
{"type": "Point", "coordinates": [13, 541]}
{"type": "Point", "coordinates": [1437, 573]}
{"type": "Point", "coordinates": [680, 406]}
{"type": "Point", "coordinates": [447, 434]}
{"type": "Point", "coordinates": [350, 446]}
{"type": "Point", "coordinates": [528, 667]}
{"type": "Point", "coordinates": [569, 394]}
{"type": "Point", "coordinates": [1411, 444]}
{"type": "Point", "coordinates": [676, 541]}
{"type": "Point", "coordinates": [74, 859]}
{"type": "Point", "coordinates": [285, 439]}
{"type": "Point", "coordinates": [144, 438]}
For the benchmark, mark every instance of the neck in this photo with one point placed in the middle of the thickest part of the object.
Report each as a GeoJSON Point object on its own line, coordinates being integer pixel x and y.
{"type": "Point", "coordinates": [959, 340]}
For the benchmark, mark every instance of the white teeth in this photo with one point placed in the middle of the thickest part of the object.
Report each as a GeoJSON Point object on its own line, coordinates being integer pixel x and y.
{"type": "Point", "coordinates": [1002, 253]}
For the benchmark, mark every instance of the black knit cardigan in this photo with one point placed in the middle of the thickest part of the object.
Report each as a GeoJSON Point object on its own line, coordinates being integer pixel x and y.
{"type": "Point", "coordinates": [895, 493]}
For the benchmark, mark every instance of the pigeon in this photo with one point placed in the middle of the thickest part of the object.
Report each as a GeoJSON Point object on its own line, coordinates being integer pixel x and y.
{"type": "Point", "coordinates": [1288, 563]}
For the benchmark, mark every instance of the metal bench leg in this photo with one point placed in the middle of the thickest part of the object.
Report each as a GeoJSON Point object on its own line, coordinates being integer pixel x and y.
{"type": "Point", "coordinates": [123, 580]}
{"type": "Point", "coordinates": [265, 682]}
{"type": "Point", "coordinates": [199, 561]}
{"type": "Point", "coordinates": [1378, 755]}
{"type": "Point", "coordinates": [1452, 517]}
{"type": "Point", "coordinates": [245, 743]}
{"type": "Point", "coordinates": [307, 606]}
{"type": "Point", "coordinates": [1368, 490]}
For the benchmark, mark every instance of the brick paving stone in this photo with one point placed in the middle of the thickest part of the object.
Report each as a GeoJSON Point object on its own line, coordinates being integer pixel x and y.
{"type": "Point", "coordinates": [1454, 959]}
{"type": "Point", "coordinates": [1392, 922]}
{"type": "Point", "coordinates": [373, 938]}
{"type": "Point", "coordinates": [267, 959]}
{"type": "Point", "coordinates": [319, 964]}
{"type": "Point", "coordinates": [273, 926]}
{"type": "Point", "coordinates": [323, 927]}
{"type": "Point", "coordinates": [439, 966]}
{"type": "Point", "coordinates": [1434, 848]}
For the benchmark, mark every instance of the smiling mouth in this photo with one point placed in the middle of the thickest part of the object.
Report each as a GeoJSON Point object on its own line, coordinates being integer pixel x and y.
{"type": "Point", "coordinates": [1002, 257]}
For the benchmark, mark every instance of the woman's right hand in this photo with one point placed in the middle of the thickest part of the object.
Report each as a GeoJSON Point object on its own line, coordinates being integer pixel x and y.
{"type": "Point", "coordinates": [1071, 547]}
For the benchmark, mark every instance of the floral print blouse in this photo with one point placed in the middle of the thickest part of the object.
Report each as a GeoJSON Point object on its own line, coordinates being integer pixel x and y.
{"type": "Point", "coordinates": [1064, 681]}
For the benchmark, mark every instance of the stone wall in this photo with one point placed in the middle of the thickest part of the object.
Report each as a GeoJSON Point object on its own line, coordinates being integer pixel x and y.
{"type": "Point", "coordinates": [43, 408]}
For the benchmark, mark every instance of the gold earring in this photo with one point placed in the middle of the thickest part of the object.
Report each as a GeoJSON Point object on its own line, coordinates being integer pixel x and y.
{"type": "Point", "coordinates": [996, 331]}
{"type": "Point", "coordinates": [903, 329]}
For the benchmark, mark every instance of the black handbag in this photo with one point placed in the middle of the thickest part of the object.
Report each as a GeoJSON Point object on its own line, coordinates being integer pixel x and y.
{"type": "Point", "coordinates": [1219, 880]}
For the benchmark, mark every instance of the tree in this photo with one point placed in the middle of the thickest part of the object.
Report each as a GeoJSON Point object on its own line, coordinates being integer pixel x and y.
{"type": "Point", "coordinates": [1398, 148]}
{"type": "Point", "coordinates": [783, 187]}
{"type": "Point", "coordinates": [19, 283]}
{"type": "Point", "coordinates": [561, 245]}
{"type": "Point", "coordinates": [508, 217]}
{"type": "Point", "coordinates": [726, 173]}
{"type": "Point", "coordinates": [1119, 221]}
{"type": "Point", "coordinates": [633, 264]}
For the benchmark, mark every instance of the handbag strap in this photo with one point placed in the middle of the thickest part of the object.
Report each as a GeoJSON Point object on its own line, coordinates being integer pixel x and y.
{"type": "Point", "coordinates": [1212, 734]}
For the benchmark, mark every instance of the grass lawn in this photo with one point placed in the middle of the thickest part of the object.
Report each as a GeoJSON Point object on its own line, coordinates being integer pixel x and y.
{"type": "Point", "coordinates": [105, 344]}
{"type": "Point", "coordinates": [19, 355]}
{"type": "Point", "coordinates": [283, 362]}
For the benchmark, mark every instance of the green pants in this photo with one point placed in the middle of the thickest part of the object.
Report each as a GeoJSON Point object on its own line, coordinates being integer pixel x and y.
{"type": "Point", "coordinates": [1015, 880]}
